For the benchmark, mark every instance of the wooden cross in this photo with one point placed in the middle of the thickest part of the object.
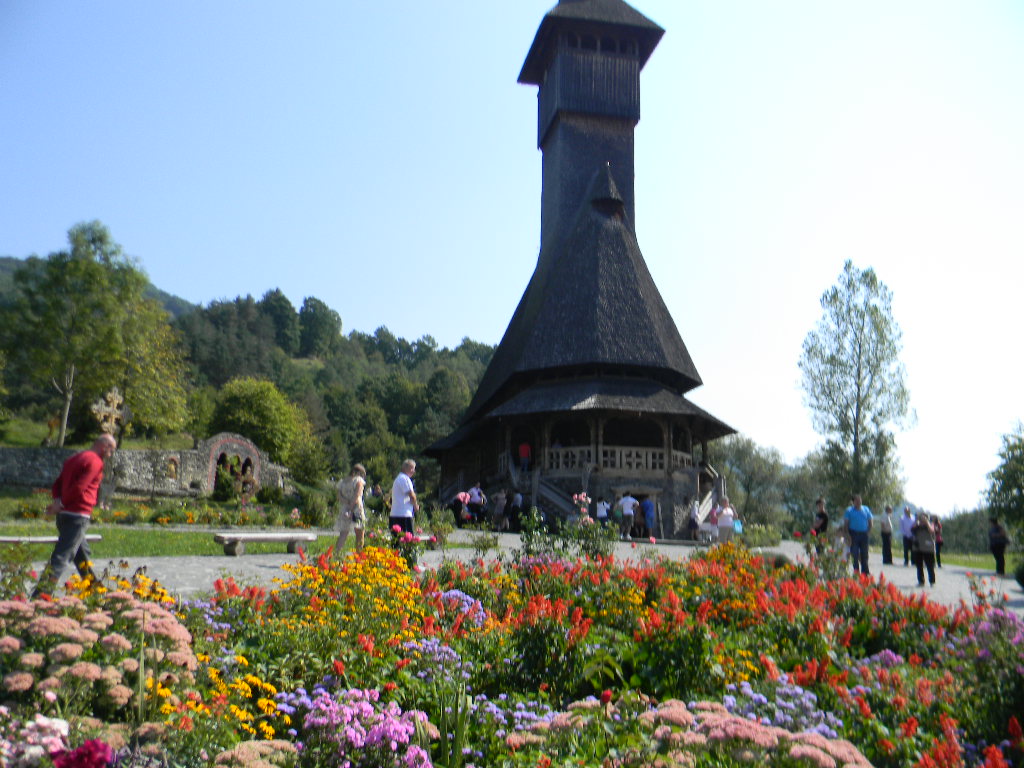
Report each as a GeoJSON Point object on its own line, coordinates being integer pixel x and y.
{"type": "Point", "coordinates": [111, 412]}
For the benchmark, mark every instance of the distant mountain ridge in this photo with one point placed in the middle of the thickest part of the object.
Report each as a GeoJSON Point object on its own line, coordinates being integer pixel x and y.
{"type": "Point", "coordinates": [175, 305]}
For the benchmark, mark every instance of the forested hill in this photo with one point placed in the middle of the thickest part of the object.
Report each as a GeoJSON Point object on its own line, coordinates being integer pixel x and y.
{"type": "Point", "coordinates": [176, 305]}
{"type": "Point", "coordinates": [373, 398]}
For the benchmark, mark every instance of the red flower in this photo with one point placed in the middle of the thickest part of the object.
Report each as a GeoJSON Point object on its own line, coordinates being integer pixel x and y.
{"type": "Point", "coordinates": [402, 663]}
{"type": "Point", "coordinates": [1015, 731]}
{"type": "Point", "coordinates": [994, 757]}
{"type": "Point", "coordinates": [92, 754]}
{"type": "Point", "coordinates": [339, 667]}
{"type": "Point", "coordinates": [909, 727]}
{"type": "Point", "coordinates": [606, 696]}
{"type": "Point", "coordinates": [797, 535]}
{"type": "Point", "coordinates": [390, 686]}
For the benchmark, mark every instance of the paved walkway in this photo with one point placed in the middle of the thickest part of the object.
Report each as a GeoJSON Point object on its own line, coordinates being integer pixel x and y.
{"type": "Point", "coordinates": [190, 576]}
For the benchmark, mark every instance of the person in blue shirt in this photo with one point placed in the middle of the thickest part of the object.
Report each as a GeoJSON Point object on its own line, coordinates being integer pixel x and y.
{"type": "Point", "coordinates": [858, 521]}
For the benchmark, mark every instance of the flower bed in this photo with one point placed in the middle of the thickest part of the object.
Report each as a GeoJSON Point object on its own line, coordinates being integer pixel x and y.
{"type": "Point", "coordinates": [724, 659]}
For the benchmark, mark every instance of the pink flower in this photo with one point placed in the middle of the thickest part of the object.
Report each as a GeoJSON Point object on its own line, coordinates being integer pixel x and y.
{"type": "Point", "coordinates": [9, 644]}
{"type": "Point", "coordinates": [18, 681]}
{"type": "Point", "coordinates": [66, 652]}
{"type": "Point", "coordinates": [633, 545]}
{"type": "Point", "coordinates": [653, 540]}
{"type": "Point", "coordinates": [116, 642]}
{"type": "Point", "coordinates": [396, 528]}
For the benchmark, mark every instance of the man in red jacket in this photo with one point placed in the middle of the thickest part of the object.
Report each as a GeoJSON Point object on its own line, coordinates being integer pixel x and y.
{"type": "Point", "coordinates": [75, 492]}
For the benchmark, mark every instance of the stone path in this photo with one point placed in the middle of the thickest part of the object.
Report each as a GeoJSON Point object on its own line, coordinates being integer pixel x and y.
{"type": "Point", "coordinates": [190, 576]}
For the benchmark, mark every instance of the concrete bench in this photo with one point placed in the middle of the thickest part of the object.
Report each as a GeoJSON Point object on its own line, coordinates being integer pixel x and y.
{"type": "Point", "coordinates": [42, 539]}
{"type": "Point", "coordinates": [234, 542]}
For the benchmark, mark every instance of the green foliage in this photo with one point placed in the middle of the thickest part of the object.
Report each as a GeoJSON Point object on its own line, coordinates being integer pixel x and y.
{"type": "Point", "coordinates": [854, 384]}
{"type": "Point", "coordinates": [257, 410]}
{"type": "Point", "coordinates": [756, 479]}
{"type": "Point", "coordinates": [315, 506]}
{"type": "Point", "coordinates": [319, 328]}
{"type": "Point", "coordinates": [79, 323]}
{"type": "Point", "coordinates": [1006, 482]}
{"type": "Point", "coordinates": [16, 573]}
{"type": "Point", "coordinates": [276, 306]}
{"type": "Point", "coordinates": [307, 458]}
{"type": "Point", "coordinates": [756, 535]}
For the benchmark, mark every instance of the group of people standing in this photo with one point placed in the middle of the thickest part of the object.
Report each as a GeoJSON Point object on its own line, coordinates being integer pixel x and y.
{"type": "Point", "coordinates": [722, 523]}
{"type": "Point", "coordinates": [921, 536]}
{"type": "Point", "coordinates": [502, 510]}
{"type": "Point", "coordinates": [352, 511]}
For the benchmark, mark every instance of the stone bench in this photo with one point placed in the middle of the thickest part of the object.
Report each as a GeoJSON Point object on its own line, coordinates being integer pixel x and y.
{"type": "Point", "coordinates": [234, 542]}
{"type": "Point", "coordinates": [42, 539]}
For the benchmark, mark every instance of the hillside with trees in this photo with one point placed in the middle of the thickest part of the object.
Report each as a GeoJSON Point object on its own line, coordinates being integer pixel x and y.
{"type": "Point", "coordinates": [374, 398]}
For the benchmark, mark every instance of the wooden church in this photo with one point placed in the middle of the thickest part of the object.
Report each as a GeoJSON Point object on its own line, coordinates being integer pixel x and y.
{"type": "Point", "coordinates": [592, 372]}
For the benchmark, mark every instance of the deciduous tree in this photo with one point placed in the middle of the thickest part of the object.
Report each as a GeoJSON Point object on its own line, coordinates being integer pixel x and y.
{"type": "Point", "coordinates": [1006, 482]}
{"type": "Point", "coordinates": [854, 382]}
{"type": "Point", "coordinates": [79, 322]}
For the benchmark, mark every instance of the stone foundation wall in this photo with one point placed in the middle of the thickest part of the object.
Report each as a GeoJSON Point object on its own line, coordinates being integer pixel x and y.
{"type": "Point", "coordinates": [162, 473]}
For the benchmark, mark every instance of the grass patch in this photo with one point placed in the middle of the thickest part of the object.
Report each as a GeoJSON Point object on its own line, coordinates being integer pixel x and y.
{"type": "Point", "coordinates": [981, 562]}
{"type": "Point", "coordinates": [122, 541]}
{"type": "Point", "coordinates": [20, 432]}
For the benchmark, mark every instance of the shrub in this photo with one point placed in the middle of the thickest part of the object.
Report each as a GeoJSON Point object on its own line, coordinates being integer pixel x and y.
{"type": "Point", "coordinates": [314, 505]}
{"type": "Point", "coordinates": [270, 494]}
{"type": "Point", "coordinates": [756, 535]}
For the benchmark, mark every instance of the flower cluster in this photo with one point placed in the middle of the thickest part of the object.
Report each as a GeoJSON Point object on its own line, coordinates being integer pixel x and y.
{"type": "Point", "coordinates": [353, 728]}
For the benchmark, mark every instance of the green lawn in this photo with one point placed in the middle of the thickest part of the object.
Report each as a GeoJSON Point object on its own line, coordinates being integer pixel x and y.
{"type": "Point", "coordinates": [982, 563]}
{"type": "Point", "coordinates": [143, 541]}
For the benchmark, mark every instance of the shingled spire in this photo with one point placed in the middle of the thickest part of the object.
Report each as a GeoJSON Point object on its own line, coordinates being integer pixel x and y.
{"type": "Point", "coordinates": [591, 307]}
{"type": "Point", "coordinates": [592, 371]}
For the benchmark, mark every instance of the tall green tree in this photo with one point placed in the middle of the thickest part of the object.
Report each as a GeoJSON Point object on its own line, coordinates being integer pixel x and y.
{"type": "Point", "coordinates": [319, 328]}
{"type": "Point", "coordinates": [1006, 482]}
{"type": "Point", "coordinates": [79, 322]}
{"type": "Point", "coordinates": [276, 306]}
{"type": "Point", "coordinates": [854, 382]}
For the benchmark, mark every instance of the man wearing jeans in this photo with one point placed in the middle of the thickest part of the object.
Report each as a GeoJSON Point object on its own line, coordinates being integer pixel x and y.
{"type": "Point", "coordinates": [858, 521]}
{"type": "Point", "coordinates": [75, 493]}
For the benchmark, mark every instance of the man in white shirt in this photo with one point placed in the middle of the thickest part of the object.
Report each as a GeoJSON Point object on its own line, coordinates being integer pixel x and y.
{"type": "Point", "coordinates": [404, 505]}
{"type": "Point", "coordinates": [602, 510]}
{"type": "Point", "coordinates": [628, 506]}
{"type": "Point", "coordinates": [906, 524]}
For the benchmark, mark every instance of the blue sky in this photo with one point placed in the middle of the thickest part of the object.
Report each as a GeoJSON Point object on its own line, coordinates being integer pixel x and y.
{"type": "Point", "coordinates": [382, 158]}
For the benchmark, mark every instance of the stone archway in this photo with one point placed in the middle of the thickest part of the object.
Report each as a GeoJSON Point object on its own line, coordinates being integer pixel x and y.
{"type": "Point", "coordinates": [227, 448]}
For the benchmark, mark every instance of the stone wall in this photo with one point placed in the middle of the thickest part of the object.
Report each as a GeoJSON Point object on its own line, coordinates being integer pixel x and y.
{"type": "Point", "coordinates": [164, 473]}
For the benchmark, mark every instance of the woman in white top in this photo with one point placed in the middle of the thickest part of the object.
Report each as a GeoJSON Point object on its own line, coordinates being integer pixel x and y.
{"type": "Point", "coordinates": [726, 520]}
{"type": "Point", "coordinates": [350, 508]}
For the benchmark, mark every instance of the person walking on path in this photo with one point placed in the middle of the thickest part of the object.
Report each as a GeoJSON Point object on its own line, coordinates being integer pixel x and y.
{"type": "Point", "coordinates": [404, 505]}
{"type": "Point", "coordinates": [726, 520]}
{"type": "Point", "coordinates": [997, 541]}
{"type": "Point", "coordinates": [602, 511]}
{"type": "Point", "coordinates": [858, 520]}
{"type": "Point", "coordinates": [906, 523]}
{"type": "Point", "coordinates": [75, 492]}
{"type": "Point", "coordinates": [350, 508]}
{"type": "Point", "coordinates": [628, 506]}
{"type": "Point", "coordinates": [819, 528]}
{"type": "Point", "coordinates": [477, 502]}
{"type": "Point", "coordinates": [924, 548]}
{"type": "Point", "coordinates": [937, 527]}
{"type": "Point", "coordinates": [885, 526]}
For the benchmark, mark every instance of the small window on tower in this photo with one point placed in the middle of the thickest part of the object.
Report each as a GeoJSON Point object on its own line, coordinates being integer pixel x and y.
{"type": "Point", "coordinates": [589, 43]}
{"type": "Point", "coordinates": [609, 45]}
{"type": "Point", "coordinates": [573, 40]}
